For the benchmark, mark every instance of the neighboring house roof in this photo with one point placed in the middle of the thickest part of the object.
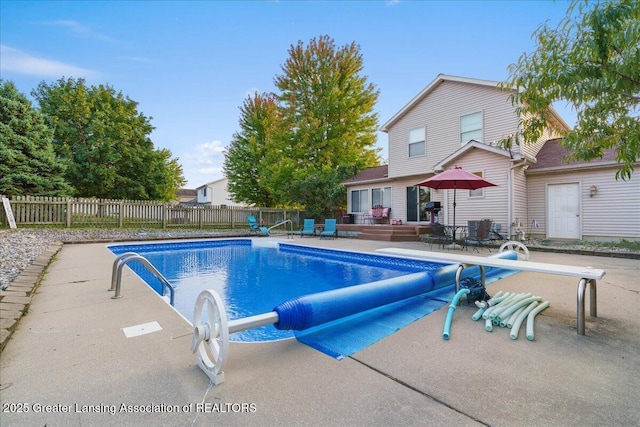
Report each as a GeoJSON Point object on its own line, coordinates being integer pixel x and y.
{"type": "Point", "coordinates": [187, 196]}
{"type": "Point", "coordinates": [187, 192]}
{"type": "Point", "coordinates": [376, 173]}
{"type": "Point", "coordinates": [552, 157]}
{"type": "Point", "coordinates": [440, 78]}
{"type": "Point", "coordinates": [212, 182]}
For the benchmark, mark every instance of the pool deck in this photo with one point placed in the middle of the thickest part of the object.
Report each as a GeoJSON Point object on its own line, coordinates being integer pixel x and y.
{"type": "Point", "coordinates": [69, 352]}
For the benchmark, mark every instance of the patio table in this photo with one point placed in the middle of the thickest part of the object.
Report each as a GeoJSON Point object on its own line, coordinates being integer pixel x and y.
{"type": "Point", "coordinates": [452, 230]}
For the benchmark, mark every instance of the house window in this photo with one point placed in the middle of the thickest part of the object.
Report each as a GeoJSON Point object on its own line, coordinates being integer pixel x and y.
{"type": "Point", "coordinates": [359, 201]}
{"type": "Point", "coordinates": [471, 128]}
{"type": "Point", "coordinates": [381, 196]}
{"type": "Point", "coordinates": [417, 143]}
{"type": "Point", "coordinates": [480, 191]}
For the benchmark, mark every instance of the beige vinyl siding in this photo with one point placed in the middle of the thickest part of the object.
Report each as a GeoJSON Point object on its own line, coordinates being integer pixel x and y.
{"type": "Point", "coordinates": [399, 191]}
{"type": "Point", "coordinates": [614, 212]}
{"type": "Point", "coordinates": [519, 201]}
{"type": "Point", "coordinates": [439, 113]}
{"type": "Point", "coordinates": [532, 149]}
{"type": "Point", "coordinates": [493, 204]}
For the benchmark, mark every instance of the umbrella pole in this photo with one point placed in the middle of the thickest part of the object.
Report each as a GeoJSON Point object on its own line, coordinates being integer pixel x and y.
{"type": "Point", "coordinates": [454, 217]}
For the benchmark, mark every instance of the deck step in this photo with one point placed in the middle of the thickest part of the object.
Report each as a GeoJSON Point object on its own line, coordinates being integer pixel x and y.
{"type": "Point", "coordinates": [389, 237]}
{"type": "Point", "coordinates": [390, 234]}
{"type": "Point", "coordinates": [385, 232]}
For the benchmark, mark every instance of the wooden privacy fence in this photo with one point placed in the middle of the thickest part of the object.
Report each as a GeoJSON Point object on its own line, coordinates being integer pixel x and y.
{"type": "Point", "coordinates": [77, 212]}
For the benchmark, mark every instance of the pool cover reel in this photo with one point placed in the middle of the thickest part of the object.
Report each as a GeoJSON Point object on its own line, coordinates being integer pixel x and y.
{"type": "Point", "coordinates": [210, 341]}
{"type": "Point", "coordinates": [315, 309]}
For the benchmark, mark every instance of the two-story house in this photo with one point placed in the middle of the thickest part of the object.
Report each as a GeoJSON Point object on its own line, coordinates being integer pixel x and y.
{"type": "Point", "coordinates": [215, 193]}
{"type": "Point", "coordinates": [457, 121]}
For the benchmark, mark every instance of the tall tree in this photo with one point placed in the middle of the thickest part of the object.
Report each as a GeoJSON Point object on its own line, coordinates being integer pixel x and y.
{"type": "Point", "coordinates": [28, 164]}
{"type": "Point", "coordinates": [246, 165]}
{"type": "Point", "coordinates": [591, 60]}
{"type": "Point", "coordinates": [328, 122]}
{"type": "Point", "coordinates": [105, 143]}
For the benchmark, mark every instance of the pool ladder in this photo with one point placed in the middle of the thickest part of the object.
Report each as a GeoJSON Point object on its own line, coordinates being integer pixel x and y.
{"type": "Point", "coordinates": [122, 260]}
{"type": "Point", "coordinates": [290, 232]}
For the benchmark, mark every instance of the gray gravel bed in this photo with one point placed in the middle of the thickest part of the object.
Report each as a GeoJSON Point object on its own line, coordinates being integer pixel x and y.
{"type": "Point", "coordinates": [20, 247]}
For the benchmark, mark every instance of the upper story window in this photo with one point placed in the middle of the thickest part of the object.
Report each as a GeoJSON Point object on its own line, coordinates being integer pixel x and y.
{"type": "Point", "coordinates": [417, 143]}
{"type": "Point", "coordinates": [471, 128]}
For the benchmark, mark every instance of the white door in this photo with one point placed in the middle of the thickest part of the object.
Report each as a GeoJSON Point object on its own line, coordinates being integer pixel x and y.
{"type": "Point", "coordinates": [563, 203]}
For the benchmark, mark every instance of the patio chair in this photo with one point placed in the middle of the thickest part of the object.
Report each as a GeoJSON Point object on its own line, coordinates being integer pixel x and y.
{"type": "Point", "coordinates": [495, 233]}
{"type": "Point", "coordinates": [254, 228]}
{"type": "Point", "coordinates": [309, 228]}
{"type": "Point", "coordinates": [478, 234]}
{"type": "Point", "coordinates": [380, 213]}
{"type": "Point", "coordinates": [330, 229]}
{"type": "Point", "coordinates": [439, 235]}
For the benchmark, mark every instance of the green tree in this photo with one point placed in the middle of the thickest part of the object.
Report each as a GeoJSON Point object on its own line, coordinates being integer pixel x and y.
{"type": "Point", "coordinates": [28, 164]}
{"type": "Point", "coordinates": [591, 60]}
{"type": "Point", "coordinates": [246, 165]}
{"type": "Point", "coordinates": [105, 143]}
{"type": "Point", "coordinates": [328, 124]}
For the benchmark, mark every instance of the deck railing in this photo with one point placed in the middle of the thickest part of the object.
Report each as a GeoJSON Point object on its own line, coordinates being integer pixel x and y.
{"type": "Point", "coordinates": [80, 212]}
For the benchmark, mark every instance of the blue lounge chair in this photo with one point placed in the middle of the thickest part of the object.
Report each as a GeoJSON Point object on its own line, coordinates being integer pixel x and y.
{"type": "Point", "coordinates": [309, 228]}
{"type": "Point", "coordinates": [254, 228]}
{"type": "Point", "coordinates": [330, 229]}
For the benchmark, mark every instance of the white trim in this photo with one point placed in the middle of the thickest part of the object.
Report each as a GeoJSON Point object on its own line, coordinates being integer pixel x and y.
{"type": "Point", "coordinates": [440, 166]}
{"type": "Point", "coordinates": [440, 78]}
{"type": "Point", "coordinates": [573, 167]}
{"type": "Point", "coordinates": [578, 208]}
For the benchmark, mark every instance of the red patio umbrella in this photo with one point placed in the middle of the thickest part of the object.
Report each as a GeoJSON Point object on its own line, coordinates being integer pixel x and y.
{"type": "Point", "coordinates": [455, 178]}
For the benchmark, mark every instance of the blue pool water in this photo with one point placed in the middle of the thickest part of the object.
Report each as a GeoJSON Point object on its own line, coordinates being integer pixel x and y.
{"type": "Point", "coordinates": [253, 279]}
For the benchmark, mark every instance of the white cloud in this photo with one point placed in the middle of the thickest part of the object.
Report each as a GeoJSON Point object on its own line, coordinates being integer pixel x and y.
{"type": "Point", "coordinates": [139, 59]}
{"type": "Point", "coordinates": [203, 164]}
{"type": "Point", "coordinates": [78, 28]}
{"type": "Point", "coordinates": [21, 62]}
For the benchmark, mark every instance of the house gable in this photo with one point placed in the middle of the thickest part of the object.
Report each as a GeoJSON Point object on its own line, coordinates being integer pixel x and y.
{"type": "Point", "coordinates": [438, 110]}
{"type": "Point", "coordinates": [441, 78]}
{"type": "Point", "coordinates": [469, 148]}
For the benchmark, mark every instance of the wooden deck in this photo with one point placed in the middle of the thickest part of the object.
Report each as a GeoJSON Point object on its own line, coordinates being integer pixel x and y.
{"type": "Point", "coordinates": [383, 232]}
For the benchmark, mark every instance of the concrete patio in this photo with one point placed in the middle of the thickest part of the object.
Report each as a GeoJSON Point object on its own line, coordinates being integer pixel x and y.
{"type": "Point", "coordinates": [69, 363]}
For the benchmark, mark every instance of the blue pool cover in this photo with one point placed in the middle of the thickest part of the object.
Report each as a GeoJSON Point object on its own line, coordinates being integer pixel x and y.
{"type": "Point", "coordinates": [337, 322]}
{"type": "Point", "coordinates": [343, 337]}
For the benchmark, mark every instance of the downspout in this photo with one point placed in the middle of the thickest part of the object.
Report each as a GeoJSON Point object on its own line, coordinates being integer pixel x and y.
{"type": "Point", "coordinates": [509, 200]}
{"type": "Point", "coordinates": [523, 161]}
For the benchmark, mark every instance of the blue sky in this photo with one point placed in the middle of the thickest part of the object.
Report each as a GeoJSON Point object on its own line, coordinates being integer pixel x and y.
{"type": "Point", "coordinates": [190, 65]}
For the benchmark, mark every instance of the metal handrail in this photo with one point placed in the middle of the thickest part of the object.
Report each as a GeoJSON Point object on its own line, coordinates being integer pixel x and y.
{"type": "Point", "coordinates": [122, 260]}
{"type": "Point", "coordinates": [282, 223]}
